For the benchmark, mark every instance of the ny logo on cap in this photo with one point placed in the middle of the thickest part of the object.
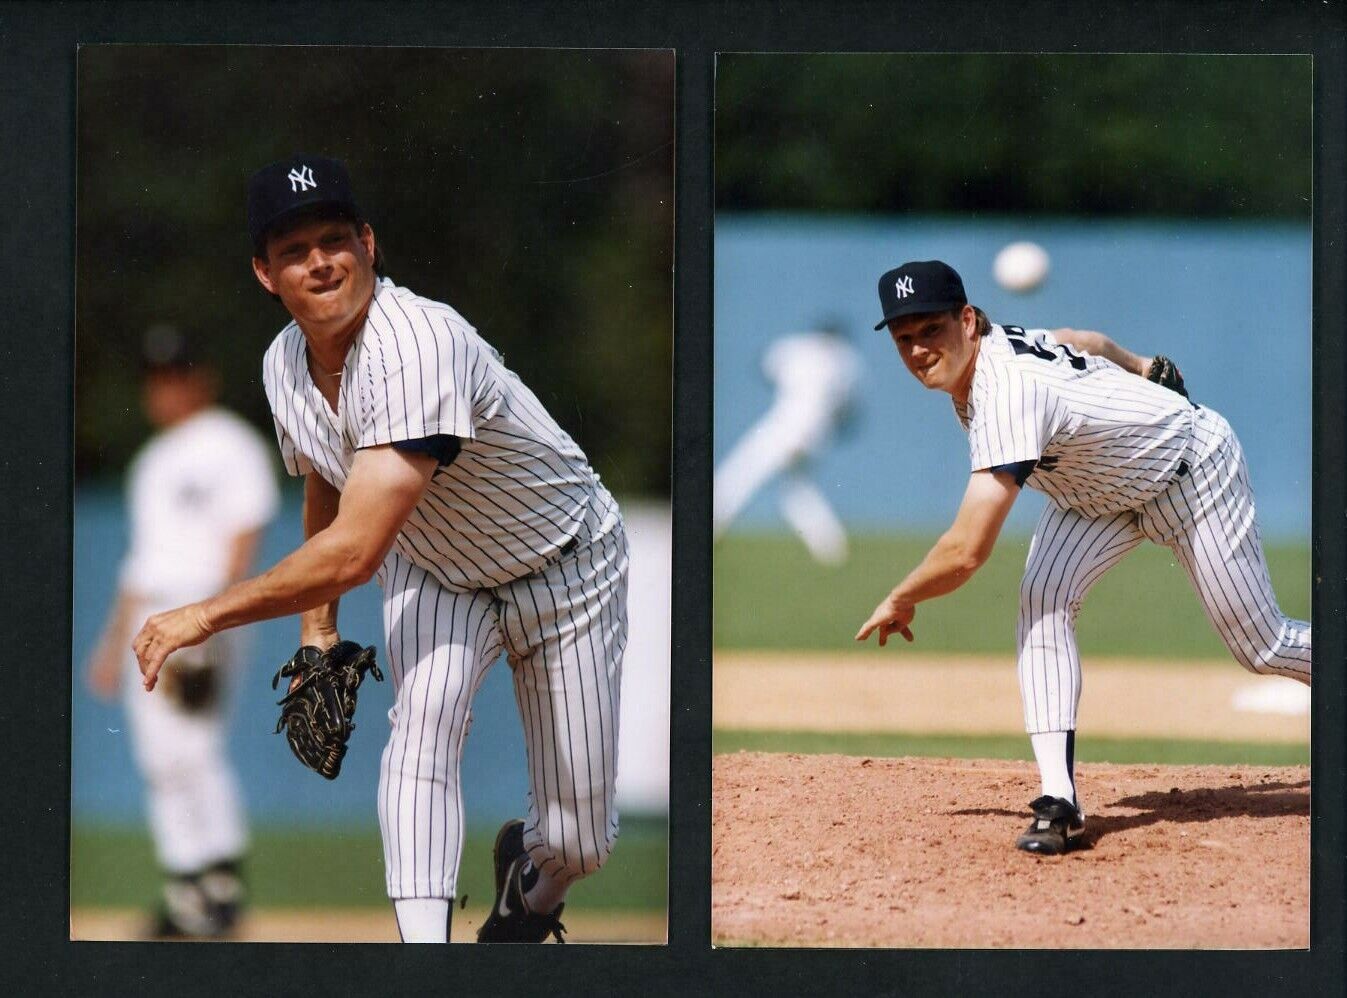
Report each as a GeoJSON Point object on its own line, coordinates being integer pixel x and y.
{"type": "Point", "coordinates": [904, 286]}
{"type": "Point", "coordinates": [301, 179]}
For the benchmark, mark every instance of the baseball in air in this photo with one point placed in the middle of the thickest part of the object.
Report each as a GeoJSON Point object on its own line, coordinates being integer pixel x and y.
{"type": "Point", "coordinates": [1021, 267]}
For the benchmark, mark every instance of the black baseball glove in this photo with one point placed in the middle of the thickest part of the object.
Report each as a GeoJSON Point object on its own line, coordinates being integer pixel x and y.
{"type": "Point", "coordinates": [317, 714]}
{"type": "Point", "coordinates": [1165, 373]}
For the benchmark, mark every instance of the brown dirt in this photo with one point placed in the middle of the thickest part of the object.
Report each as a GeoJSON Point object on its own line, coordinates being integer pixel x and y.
{"type": "Point", "coordinates": [845, 851]}
{"type": "Point", "coordinates": [363, 925]}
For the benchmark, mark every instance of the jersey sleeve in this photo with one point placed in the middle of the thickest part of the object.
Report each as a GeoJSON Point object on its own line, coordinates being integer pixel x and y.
{"type": "Point", "coordinates": [248, 498]}
{"type": "Point", "coordinates": [419, 381]}
{"type": "Point", "coordinates": [1020, 470]}
{"type": "Point", "coordinates": [442, 447]}
{"type": "Point", "coordinates": [131, 569]}
{"type": "Point", "coordinates": [1011, 420]}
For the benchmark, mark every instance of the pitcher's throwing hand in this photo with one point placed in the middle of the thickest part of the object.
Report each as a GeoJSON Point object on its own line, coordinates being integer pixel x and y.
{"type": "Point", "coordinates": [892, 616]}
{"type": "Point", "coordinates": [164, 633]}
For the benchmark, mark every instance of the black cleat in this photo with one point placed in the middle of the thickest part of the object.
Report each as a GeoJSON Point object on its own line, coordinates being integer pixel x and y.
{"type": "Point", "coordinates": [510, 920]}
{"type": "Point", "coordinates": [1056, 828]}
{"type": "Point", "coordinates": [185, 912]}
{"type": "Point", "coordinates": [509, 847]}
{"type": "Point", "coordinates": [225, 895]}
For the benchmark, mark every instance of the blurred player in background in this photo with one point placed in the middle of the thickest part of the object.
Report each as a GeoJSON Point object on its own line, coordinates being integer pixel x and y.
{"type": "Point", "coordinates": [815, 375]}
{"type": "Point", "coordinates": [199, 493]}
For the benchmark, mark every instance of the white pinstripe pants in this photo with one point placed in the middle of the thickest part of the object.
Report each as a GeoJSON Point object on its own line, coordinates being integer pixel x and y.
{"type": "Point", "coordinates": [563, 630]}
{"type": "Point", "coordinates": [1207, 519]}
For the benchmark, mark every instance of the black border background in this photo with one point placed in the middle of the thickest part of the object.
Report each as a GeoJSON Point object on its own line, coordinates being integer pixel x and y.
{"type": "Point", "coordinates": [37, 116]}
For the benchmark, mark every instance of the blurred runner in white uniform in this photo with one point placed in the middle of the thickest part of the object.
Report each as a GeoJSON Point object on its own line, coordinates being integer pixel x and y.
{"type": "Point", "coordinates": [815, 374]}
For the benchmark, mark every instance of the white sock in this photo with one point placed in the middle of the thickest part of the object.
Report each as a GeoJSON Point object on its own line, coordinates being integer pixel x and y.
{"type": "Point", "coordinates": [422, 920]}
{"type": "Point", "coordinates": [546, 893]}
{"type": "Point", "coordinates": [1054, 766]}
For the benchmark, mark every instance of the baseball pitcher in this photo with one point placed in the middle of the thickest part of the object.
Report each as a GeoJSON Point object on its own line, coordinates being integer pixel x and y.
{"type": "Point", "coordinates": [429, 466]}
{"type": "Point", "coordinates": [1124, 456]}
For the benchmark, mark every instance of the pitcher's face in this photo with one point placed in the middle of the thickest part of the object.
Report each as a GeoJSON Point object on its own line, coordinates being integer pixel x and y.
{"type": "Point", "coordinates": [939, 348]}
{"type": "Point", "coordinates": [323, 271]}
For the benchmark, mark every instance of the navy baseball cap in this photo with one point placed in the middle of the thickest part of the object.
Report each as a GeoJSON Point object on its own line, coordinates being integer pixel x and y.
{"type": "Point", "coordinates": [920, 286]}
{"type": "Point", "coordinates": [301, 183]}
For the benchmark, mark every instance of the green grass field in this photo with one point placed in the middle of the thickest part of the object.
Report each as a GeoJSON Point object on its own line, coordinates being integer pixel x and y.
{"type": "Point", "coordinates": [770, 594]}
{"type": "Point", "coordinates": [114, 867]}
{"type": "Point", "coordinates": [1115, 750]}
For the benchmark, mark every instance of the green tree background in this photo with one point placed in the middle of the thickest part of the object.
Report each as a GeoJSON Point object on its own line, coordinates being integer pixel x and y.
{"type": "Point", "coordinates": [1216, 136]}
{"type": "Point", "coordinates": [530, 189]}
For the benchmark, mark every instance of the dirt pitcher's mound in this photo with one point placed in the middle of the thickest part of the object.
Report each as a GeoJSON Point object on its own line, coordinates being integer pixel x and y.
{"type": "Point", "coordinates": [813, 850]}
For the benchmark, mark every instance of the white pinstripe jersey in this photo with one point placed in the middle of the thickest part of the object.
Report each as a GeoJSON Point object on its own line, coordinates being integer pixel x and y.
{"type": "Point", "coordinates": [517, 491]}
{"type": "Point", "coordinates": [194, 486]}
{"type": "Point", "coordinates": [1104, 440]}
